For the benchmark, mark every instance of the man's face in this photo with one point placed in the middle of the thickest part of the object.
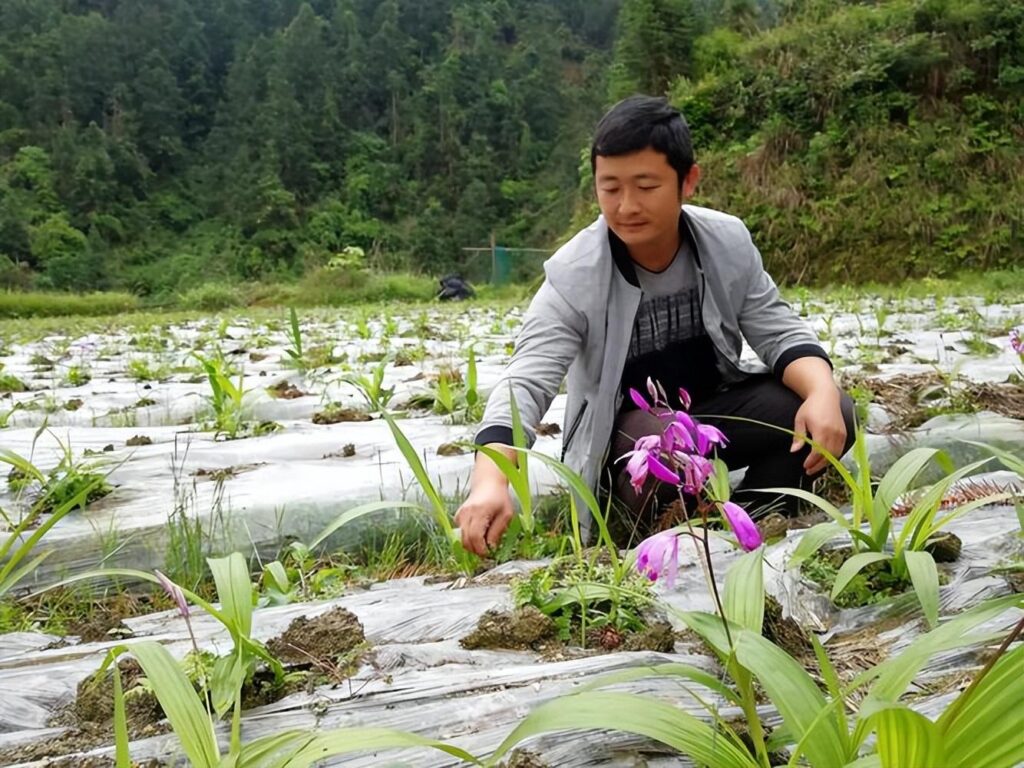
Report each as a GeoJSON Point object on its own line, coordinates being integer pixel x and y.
{"type": "Point", "coordinates": [639, 195]}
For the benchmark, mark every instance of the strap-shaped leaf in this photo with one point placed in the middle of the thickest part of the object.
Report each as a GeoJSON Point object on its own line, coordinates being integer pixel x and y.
{"type": "Point", "coordinates": [355, 513]}
{"type": "Point", "coordinates": [744, 591]}
{"type": "Point", "coordinates": [983, 728]}
{"type": "Point", "coordinates": [812, 540]}
{"type": "Point", "coordinates": [795, 695]}
{"type": "Point", "coordinates": [234, 590]}
{"type": "Point", "coordinates": [413, 460]}
{"type": "Point", "coordinates": [907, 739]}
{"type": "Point", "coordinates": [180, 703]}
{"type": "Point", "coordinates": [671, 669]}
{"type": "Point", "coordinates": [825, 506]}
{"type": "Point", "coordinates": [633, 714]}
{"type": "Point", "coordinates": [925, 578]}
{"type": "Point", "coordinates": [853, 566]}
{"type": "Point", "coordinates": [899, 478]}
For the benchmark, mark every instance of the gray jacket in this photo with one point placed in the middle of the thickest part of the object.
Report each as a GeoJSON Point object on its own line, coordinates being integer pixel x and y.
{"type": "Point", "coordinates": [581, 321]}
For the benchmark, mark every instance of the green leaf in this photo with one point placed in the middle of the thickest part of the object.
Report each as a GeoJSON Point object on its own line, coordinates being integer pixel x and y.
{"type": "Point", "coordinates": [180, 703]}
{"type": "Point", "coordinates": [795, 695]}
{"type": "Point", "coordinates": [827, 507]}
{"type": "Point", "coordinates": [1010, 461]}
{"type": "Point", "coordinates": [812, 540]}
{"type": "Point", "coordinates": [413, 460]}
{"type": "Point", "coordinates": [699, 676]}
{"type": "Point", "coordinates": [898, 479]}
{"type": "Point", "coordinates": [227, 677]}
{"type": "Point", "coordinates": [907, 739]}
{"type": "Point", "coordinates": [894, 675]}
{"type": "Point", "coordinates": [983, 727]}
{"type": "Point", "coordinates": [835, 691]}
{"type": "Point", "coordinates": [918, 523]}
{"type": "Point", "coordinates": [234, 590]}
{"type": "Point", "coordinates": [356, 512]}
{"type": "Point", "coordinates": [744, 591]}
{"type": "Point", "coordinates": [298, 749]}
{"type": "Point", "coordinates": [276, 577]}
{"type": "Point", "coordinates": [642, 715]}
{"type": "Point", "coordinates": [925, 578]}
{"type": "Point", "coordinates": [853, 566]}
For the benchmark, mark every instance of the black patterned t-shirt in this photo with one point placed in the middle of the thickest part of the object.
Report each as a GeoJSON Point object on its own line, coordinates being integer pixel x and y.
{"type": "Point", "coordinates": [669, 343]}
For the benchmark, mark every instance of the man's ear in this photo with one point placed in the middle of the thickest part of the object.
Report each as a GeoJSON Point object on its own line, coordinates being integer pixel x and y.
{"type": "Point", "coordinates": [690, 182]}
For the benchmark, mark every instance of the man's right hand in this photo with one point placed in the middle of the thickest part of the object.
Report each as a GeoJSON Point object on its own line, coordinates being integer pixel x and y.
{"type": "Point", "coordinates": [484, 517]}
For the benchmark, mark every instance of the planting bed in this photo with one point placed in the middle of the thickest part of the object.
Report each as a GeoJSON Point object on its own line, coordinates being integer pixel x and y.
{"type": "Point", "coordinates": [132, 403]}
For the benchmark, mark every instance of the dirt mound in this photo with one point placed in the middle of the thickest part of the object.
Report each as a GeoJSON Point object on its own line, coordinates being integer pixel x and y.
{"type": "Point", "coordinates": [518, 630]}
{"type": "Point", "coordinates": [324, 638]}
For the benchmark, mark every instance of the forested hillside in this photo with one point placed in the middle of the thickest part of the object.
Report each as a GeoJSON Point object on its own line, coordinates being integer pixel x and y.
{"type": "Point", "coordinates": [153, 145]}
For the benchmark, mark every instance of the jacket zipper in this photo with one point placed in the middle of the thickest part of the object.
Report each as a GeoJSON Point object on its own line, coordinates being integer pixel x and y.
{"type": "Point", "coordinates": [573, 428]}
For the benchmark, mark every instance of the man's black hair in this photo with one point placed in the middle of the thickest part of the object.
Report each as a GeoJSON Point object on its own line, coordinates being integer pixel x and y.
{"type": "Point", "coordinates": [640, 122]}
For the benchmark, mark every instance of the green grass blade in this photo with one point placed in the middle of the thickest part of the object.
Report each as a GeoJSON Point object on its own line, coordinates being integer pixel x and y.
{"type": "Point", "coordinates": [362, 510]}
{"type": "Point", "coordinates": [1011, 461]}
{"type": "Point", "coordinates": [672, 669]}
{"type": "Point", "coordinates": [575, 482]}
{"type": "Point", "coordinates": [920, 518]}
{"type": "Point", "coordinates": [795, 695]}
{"type": "Point", "coordinates": [894, 675]}
{"type": "Point", "coordinates": [234, 590]}
{"type": "Point", "coordinates": [907, 739]}
{"type": "Point", "coordinates": [413, 460]}
{"type": "Point", "coordinates": [812, 540]}
{"type": "Point", "coordinates": [811, 498]}
{"type": "Point", "coordinates": [898, 480]}
{"type": "Point", "coordinates": [853, 566]}
{"type": "Point", "coordinates": [984, 731]}
{"type": "Point", "coordinates": [925, 578]}
{"type": "Point", "coordinates": [919, 540]}
{"type": "Point", "coordinates": [516, 477]}
{"type": "Point", "coordinates": [320, 746]}
{"type": "Point", "coordinates": [744, 591]}
{"type": "Point", "coordinates": [634, 714]}
{"type": "Point", "coordinates": [180, 703]}
{"type": "Point", "coordinates": [519, 441]}
{"type": "Point", "coordinates": [835, 691]}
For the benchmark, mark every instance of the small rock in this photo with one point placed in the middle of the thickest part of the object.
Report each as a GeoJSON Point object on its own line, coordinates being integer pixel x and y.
{"type": "Point", "coordinates": [137, 440]}
{"type": "Point", "coordinates": [108, 448]}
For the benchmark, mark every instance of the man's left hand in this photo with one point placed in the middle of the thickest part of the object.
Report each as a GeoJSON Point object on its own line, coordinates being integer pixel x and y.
{"type": "Point", "coordinates": [821, 418]}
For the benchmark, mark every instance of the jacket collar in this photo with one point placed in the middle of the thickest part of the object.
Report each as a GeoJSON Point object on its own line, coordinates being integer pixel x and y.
{"type": "Point", "coordinates": [626, 265]}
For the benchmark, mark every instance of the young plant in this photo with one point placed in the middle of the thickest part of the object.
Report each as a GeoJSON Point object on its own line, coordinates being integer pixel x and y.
{"type": "Point", "coordinates": [973, 732]}
{"type": "Point", "coordinates": [193, 715]}
{"type": "Point", "coordinates": [226, 397]}
{"type": "Point", "coordinates": [372, 388]}
{"type": "Point", "coordinates": [872, 506]}
{"type": "Point", "coordinates": [296, 357]}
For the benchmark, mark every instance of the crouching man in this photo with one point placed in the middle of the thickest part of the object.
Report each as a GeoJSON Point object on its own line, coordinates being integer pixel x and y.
{"type": "Point", "coordinates": [662, 290]}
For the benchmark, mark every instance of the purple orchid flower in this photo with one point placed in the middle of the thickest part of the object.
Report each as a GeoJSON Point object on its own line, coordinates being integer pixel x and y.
{"type": "Point", "coordinates": [658, 556]}
{"type": "Point", "coordinates": [746, 532]}
{"type": "Point", "coordinates": [175, 592]}
{"type": "Point", "coordinates": [1016, 341]}
{"type": "Point", "coordinates": [644, 459]}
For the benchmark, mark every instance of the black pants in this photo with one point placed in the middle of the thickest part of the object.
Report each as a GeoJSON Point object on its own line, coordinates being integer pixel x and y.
{"type": "Point", "coordinates": [763, 450]}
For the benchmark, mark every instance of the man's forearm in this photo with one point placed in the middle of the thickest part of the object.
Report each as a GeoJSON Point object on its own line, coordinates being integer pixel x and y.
{"type": "Point", "coordinates": [486, 472]}
{"type": "Point", "coordinates": [809, 375]}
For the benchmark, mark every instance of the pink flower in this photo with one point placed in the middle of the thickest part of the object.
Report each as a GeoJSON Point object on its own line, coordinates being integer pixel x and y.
{"type": "Point", "coordinates": [1016, 342]}
{"type": "Point", "coordinates": [694, 470]}
{"type": "Point", "coordinates": [684, 399]}
{"type": "Point", "coordinates": [746, 532]}
{"type": "Point", "coordinates": [646, 458]}
{"type": "Point", "coordinates": [175, 592]}
{"type": "Point", "coordinates": [659, 555]}
{"type": "Point", "coordinates": [639, 400]}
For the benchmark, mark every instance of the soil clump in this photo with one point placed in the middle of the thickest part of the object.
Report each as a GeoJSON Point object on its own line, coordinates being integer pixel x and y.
{"type": "Point", "coordinates": [321, 640]}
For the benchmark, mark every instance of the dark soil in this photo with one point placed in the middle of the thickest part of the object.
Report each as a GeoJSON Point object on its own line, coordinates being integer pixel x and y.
{"type": "Point", "coordinates": [284, 390]}
{"type": "Point", "coordinates": [94, 702]}
{"type": "Point", "coordinates": [528, 628]}
{"type": "Point", "coordinates": [873, 584]}
{"type": "Point", "coordinates": [908, 398]}
{"type": "Point", "coordinates": [784, 632]}
{"type": "Point", "coordinates": [137, 440]}
{"type": "Point", "coordinates": [319, 641]}
{"type": "Point", "coordinates": [523, 629]}
{"type": "Point", "coordinates": [336, 415]}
